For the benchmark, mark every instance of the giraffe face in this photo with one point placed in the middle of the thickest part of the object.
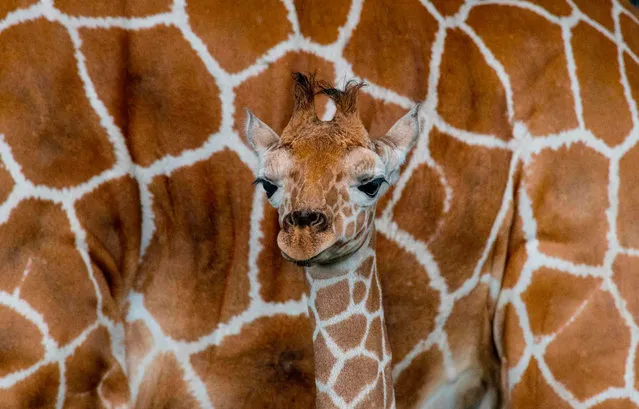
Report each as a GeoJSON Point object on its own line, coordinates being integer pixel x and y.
{"type": "Point", "coordinates": [325, 177]}
{"type": "Point", "coordinates": [325, 192]}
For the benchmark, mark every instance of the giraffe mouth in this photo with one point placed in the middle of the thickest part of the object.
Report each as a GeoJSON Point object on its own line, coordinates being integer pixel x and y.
{"type": "Point", "coordinates": [329, 255]}
{"type": "Point", "coordinates": [302, 263]}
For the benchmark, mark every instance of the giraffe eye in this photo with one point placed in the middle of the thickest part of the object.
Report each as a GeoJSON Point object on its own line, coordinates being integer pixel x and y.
{"type": "Point", "coordinates": [269, 187]}
{"type": "Point", "coordinates": [371, 188]}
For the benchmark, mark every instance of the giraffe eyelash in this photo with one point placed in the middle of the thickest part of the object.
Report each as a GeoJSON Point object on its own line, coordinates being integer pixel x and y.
{"type": "Point", "coordinates": [269, 187]}
{"type": "Point", "coordinates": [371, 187]}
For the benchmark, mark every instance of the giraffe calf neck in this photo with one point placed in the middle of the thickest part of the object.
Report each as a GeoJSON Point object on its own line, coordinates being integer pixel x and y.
{"type": "Point", "coordinates": [350, 341]}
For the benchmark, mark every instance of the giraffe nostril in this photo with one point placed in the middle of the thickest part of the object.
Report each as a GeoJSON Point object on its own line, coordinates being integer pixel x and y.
{"type": "Point", "coordinates": [319, 222]}
{"type": "Point", "coordinates": [288, 222]}
{"type": "Point", "coordinates": [304, 218]}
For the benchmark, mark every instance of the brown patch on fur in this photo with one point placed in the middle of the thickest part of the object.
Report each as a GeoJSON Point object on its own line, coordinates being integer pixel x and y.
{"type": "Point", "coordinates": [321, 19]}
{"type": "Point", "coordinates": [349, 332]}
{"type": "Point", "coordinates": [551, 288]}
{"type": "Point", "coordinates": [20, 344]}
{"type": "Point", "coordinates": [325, 401]}
{"type": "Point", "coordinates": [373, 302]}
{"type": "Point", "coordinates": [237, 36]}
{"type": "Point", "coordinates": [374, 397]}
{"type": "Point", "coordinates": [323, 366]}
{"type": "Point", "coordinates": [570, 180]}
{"type": "Point", "coordinates": [111, 216]}
{"type": "Point", "coordinates": [517, 253]}
{"type": "Point", "coordinates": [630, 32]}
{"type": "Point", "coordinates": [6, 183]}
{"type": "Point", "coordinates": [115, 388]}
{"type": "Point", "coordinates": [513, 340]}
{"type": "Point", "coordinates": [366, 268]}
{"type": "Point", "coordinates": [354, 369]}
{"type": "Point", "coordinates": [359, 291]}
{"type": "Point", "coordinates": [447, 7]}
{"type": "Point", "coordinates": [602, 93]}
{"type": "Point", "coordinates": [601, 360]}
{"type": "Point", "coordinates": [332, 300]}
{"type": "Point", "coordinates": [373, 341]}
{"type": "Point", "coordinates": [427, 194]}
{"type": "Point", "coordinates": [532, 391]}
{"type": "Point", "coordinates": [625, 276]}
{"type": "Point", "coordinates": [164, 385]}
{"type": "Point", "coordinates": [39, 390]}
{"type": "Point", "coordinates": [88, 368]}
{"type": "Point", "coordinates": [470, 341]}
{"type": "Point", "coordinates": [418, 380]}
{"type": "Point", "coordinates": [628, 218]}
{"type": "Point", "coordinates": [332, 197]}
{"type": "Point", "coordinates": [268, 365]}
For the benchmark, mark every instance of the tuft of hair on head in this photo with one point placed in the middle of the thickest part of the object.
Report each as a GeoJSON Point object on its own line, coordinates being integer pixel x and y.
{"type": "Point", "coordinates": [304, 93]}
{"type": "Point", "coordinates": [346, 99]}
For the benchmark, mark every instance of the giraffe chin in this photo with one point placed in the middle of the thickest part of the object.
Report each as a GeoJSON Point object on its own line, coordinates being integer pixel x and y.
{"type": "Point", "coordinates": [308, 262]}
{"type": "Point", "coordinates": [302, 263]}
{"type": "Point", "coordinates": [303, 247]}
{"type": "Point", "coordinates": [334, 253]}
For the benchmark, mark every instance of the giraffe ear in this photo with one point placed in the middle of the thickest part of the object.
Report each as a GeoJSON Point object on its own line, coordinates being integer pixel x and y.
{"type": "Point", "coordinates": [260, 136]}
{"type": "Point", "coordinates": [395, 145]}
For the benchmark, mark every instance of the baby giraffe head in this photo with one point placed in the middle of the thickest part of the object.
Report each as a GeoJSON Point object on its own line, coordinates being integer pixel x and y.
{"type": "Point", "coordinates": [325, 177]}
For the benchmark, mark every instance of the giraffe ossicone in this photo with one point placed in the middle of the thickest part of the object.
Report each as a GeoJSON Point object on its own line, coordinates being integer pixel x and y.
{"type": "Point", "coordinates": [325, 178]}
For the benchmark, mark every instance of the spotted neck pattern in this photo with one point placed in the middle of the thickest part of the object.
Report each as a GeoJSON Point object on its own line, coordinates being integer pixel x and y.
{"type": "Point", "coordinates": [350, 342]}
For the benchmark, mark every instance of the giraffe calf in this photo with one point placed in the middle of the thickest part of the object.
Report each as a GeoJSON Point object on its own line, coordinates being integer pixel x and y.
{"type": "Point", "coordinates": [325, 178]}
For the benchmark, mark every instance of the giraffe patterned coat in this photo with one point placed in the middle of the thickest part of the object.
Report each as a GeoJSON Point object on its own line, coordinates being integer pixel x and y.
{"type": "Point", "coordinates": [138, 265]}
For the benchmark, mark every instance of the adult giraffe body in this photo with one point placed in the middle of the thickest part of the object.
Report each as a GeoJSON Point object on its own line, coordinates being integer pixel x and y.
{"type": "Point", "coordinates": [139, 266]}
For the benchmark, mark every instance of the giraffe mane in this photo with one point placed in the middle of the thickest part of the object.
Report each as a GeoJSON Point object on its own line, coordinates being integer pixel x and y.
{"type": "Point", "coordinates": [346, 99]}
{"type": "Point", "coordinates": [307, 87]}
{"type": "Point", "coordinates": [304, 93]}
